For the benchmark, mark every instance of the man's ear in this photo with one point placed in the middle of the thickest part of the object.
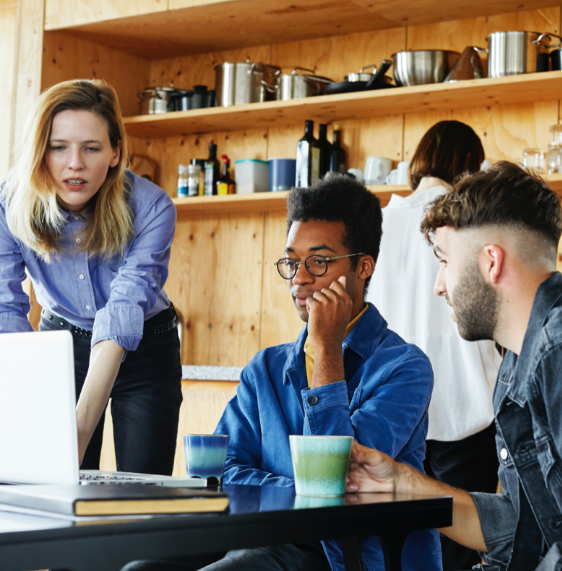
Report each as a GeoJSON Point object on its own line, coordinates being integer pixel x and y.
{"type": "Point", "coordinates": [365, 267]}
{"type": "Point", "coordinates": [492, 258]}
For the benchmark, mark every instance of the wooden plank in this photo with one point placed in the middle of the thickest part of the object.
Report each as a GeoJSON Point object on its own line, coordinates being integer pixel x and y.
{"type": "Point", "coordinates": [199, 26]}
{"type": "Point", "coordinates": [65, 13]}
{"type": "Point", "coordinates": [203, 405]}
{"type": "Point", "coordinates": [67, 57]}
{"type": "Point", "coordinates": [215, 284]}
{"type": "Point", "coordinates": [510, 90]}
{"type": "Point", "coordinates": [8, 41]}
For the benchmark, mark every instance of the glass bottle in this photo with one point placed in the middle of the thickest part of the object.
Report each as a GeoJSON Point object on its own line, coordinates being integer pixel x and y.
{"type": "Point", "coordinates": [182, 181]}
{"type": "Point", "coordinates": [308, 158]}
{"type": "Point", "coordinates": [325, 149]}
{"type": "Point", "coordinates": [225, 185]}
{"type": "Point", "coordinates": [193, 179]}
{"type": "Point", "coordinates": [337, 159]}
{"type": "Point", "coordinates": [201, 164]}
{"type": "Point", "coordinates": [212, 168]}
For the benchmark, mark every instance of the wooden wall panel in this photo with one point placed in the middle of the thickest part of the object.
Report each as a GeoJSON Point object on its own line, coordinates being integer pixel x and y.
{"type": "Point", "coordinates": [68, 57]}
{"type": "Point", "coordinates": [280, 322]}
{"type": "Point", "coordinates": [504, 131]}
{"type": "Point", "coordinates": [216, 285]}
{"type": "Point", "coordinates": [458, 34]}
{"type": "Point", "coordinates": [65, 13]}
{"type": "Point", "coordinates": [188, 71]}
{"type": "Point", "coordinates": [8, 44]}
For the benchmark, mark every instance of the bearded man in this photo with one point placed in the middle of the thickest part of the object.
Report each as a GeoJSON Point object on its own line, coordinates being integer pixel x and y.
{"type": "Point", "coordinates": [496, 235]}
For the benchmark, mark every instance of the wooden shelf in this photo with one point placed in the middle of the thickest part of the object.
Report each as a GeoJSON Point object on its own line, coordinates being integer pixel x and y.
{"type": "Point", "coordinates": [275, 201]}
{"type": "Point", "coordinates": [532, 87]}
{"type": "Point", "coordinates": [217, 25]}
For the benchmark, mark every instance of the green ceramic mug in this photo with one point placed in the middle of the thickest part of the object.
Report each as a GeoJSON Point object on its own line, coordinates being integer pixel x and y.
{"type": "Point", "coordinates": [320, 464]}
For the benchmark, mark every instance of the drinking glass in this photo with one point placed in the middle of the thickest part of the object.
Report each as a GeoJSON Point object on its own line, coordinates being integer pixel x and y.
{"type": "Point", "coordinates": [553, 159]}
{"type": "Point", "coordinates": [556, 135]}
{"type": "Point", "coordinates": [533, 159]}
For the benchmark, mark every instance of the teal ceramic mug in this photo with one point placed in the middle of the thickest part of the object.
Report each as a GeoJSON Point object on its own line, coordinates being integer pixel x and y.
{"type": "Point", "coordinates": [320, 464]}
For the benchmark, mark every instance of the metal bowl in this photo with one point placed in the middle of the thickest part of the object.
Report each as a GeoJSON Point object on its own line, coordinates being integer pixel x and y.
{"type": "Point", "coordinates": [421, 67]}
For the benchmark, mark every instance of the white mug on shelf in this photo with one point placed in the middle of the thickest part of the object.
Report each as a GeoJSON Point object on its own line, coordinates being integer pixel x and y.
{"type": "Point", "coordinates": [399, 175]}
{"type": "Point", "coordinates": [376, 170]}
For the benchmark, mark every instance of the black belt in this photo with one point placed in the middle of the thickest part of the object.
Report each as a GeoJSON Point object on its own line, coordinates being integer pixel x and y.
{"type": "Point", "coordinates": [162, 322]}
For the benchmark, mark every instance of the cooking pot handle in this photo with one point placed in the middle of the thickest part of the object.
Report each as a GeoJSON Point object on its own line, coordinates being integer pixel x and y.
{"type": "Point", "coordinates": [294, 72]}
{"type": "Point", "coordinates": [538, 40]}
{"type": "Point", "coordinates": [276, 68]}
{"type": "Point", "coordinates": [482, 50]}
{"type": "Point", "coordinates": [270, 88]}
{"type": "Point", "coordinates": [373, 65]}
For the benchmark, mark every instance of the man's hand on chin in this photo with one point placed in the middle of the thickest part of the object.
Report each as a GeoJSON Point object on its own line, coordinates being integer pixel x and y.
{"type": "Point", "coordinates": [329, 312]}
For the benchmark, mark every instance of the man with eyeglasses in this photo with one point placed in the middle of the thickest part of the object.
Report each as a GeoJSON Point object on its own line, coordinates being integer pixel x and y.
{"type": "Point", "coordinates": [346, 374]}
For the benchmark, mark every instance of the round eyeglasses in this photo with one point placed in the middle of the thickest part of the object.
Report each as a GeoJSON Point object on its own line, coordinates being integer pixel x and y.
{"type": "Point", "coordinates": [317, 265]}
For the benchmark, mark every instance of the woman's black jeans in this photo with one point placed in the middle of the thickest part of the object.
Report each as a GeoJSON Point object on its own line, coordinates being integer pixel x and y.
{"type": "Point", "coordinates": [146, 399]}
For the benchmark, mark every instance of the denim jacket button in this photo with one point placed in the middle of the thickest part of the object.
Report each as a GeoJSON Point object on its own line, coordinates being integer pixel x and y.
{"type": "Point", "coordinates": [312, 400]}
{"type": "Point", "coordinates": [503, 454]}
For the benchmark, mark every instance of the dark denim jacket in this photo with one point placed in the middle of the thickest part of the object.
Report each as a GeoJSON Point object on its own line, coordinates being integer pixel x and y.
{"type": "Point", "coordinates": [523, 522]}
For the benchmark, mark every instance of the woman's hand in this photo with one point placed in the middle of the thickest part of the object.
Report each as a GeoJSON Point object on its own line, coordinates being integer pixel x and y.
{"type": "Point", "coordinates": [105, 360]}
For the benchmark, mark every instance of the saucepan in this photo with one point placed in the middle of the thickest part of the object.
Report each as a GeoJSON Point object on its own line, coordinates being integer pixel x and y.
{"type": "Point", "coordinates": [295, 85]}
{"type": "Point", "coordinates": [363, 81]}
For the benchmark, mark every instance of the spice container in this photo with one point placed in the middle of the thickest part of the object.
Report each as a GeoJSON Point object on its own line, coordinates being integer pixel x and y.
{"type": "Point", "coordinates": [252, 175]}
{"type": "Point", "coordinates": [182, 180]}
{"type": "Point", "coordinates": [193, 180]}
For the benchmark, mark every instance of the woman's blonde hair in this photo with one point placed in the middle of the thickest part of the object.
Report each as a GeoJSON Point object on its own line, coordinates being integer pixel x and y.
{"type": "Point", "coordinates": [32, 208]}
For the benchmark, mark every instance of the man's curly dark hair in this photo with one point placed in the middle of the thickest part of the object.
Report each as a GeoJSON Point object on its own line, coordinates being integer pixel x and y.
{"type": "Point", "coordinates": [341, 199]}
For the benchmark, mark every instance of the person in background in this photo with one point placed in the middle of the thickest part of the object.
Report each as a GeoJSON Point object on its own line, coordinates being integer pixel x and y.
{"type": "Point", "coordinates": [461, 437]}
{"type": "Point", "coordinates": [496, 236]}
{"type": "Point", "coordinates": [95, 240]}
{"type": "Point", "coordinates": [346, 374]}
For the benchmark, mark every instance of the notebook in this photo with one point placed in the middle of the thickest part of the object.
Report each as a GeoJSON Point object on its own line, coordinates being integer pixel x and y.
{"type": "Point", "coordinates": [38, 434]}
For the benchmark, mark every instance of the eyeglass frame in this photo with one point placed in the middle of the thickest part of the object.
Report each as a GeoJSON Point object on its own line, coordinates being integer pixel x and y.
{"type": "Point", "coordinates": [298, 264]}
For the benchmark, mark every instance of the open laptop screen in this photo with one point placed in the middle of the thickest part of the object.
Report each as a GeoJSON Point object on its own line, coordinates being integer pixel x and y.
{"type": "Point", "coordinates": [38, 437]}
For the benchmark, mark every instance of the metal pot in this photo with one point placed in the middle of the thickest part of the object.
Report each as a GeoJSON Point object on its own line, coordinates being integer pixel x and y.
{"type": "Point", "coordinates": [361, 76]}
{"type": "Point", "coordinates": [511, 53]}
{"type": "Point", "coordinates": [421, 67]}
{"type": "Point", "coordinates": [240, 83]}
{"type": "Point", "coordinates": [155, 99]}
{"type": "Point", "coordinates": [296, 85]}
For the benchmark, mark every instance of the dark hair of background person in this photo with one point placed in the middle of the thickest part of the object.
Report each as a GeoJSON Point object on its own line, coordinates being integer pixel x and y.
{"type": "Point", "coordinates": [341, 199]}
{"type": "Point", "coordinates": [502, 195]}
{"type": "Point", "coordinates": [448, 150]}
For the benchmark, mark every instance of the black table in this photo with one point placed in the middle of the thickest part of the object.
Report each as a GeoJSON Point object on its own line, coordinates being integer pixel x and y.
{"type": "Point", "coordinates": [257, 517]}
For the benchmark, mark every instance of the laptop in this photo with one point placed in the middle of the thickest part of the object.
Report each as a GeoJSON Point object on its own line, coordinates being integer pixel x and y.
{"type": "Point", "coordinates": [38, 434]}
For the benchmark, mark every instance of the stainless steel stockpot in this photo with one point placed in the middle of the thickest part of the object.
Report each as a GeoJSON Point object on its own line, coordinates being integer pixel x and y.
{"type": "Point", "coordinates": [295, 85]}
{"type": "Point", "coordinates": [421, 67]}
{"type": "Point", "coordinates": [245, 82]}
{"type": "Point", "coordinates": [511, 53]}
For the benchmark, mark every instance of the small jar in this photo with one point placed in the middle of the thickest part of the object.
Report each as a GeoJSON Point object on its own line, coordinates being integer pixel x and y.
{"type": "Point", "coordinates": [553, 163]}
{"type": "Point", "coordinates": [193, 180]}
{"type": "Point", "coordinates": [182, 181]}
{"type": "Point", "coordinates": [556, 135]}
{"type": "Point", "coordinates": [533, 159]}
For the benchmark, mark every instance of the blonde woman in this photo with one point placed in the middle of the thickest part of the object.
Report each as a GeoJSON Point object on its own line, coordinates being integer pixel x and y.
{"type": "Point", "coordinates": [95, 239]}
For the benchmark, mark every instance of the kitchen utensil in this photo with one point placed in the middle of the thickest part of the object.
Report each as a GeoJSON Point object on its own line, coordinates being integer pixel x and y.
{"type": "Point", "coordinates": [297, 85]}
{"type": "Point", "coordinates": [282, 174]}
{"type": "Point", "coordinates": [240, 83]}
{"type": "Point", "coordinates": [154, 100]}
{"type": "Point", "coordinates": [533, 159]}
{"type": "Point", "coordinates": [511, 53]}
{"type": "Point", "coordinates": [377, 80]}
{"type": "Point", "coordinates": [468, 66]}
{"type": "Point", "coordinates": [376, 170]}
{"type": "Point", "coordinates": [399, 175]}
{"type": "Point", "coordinates": [421, 67]}
{"type": "Point", "coordinates": [252, 175]}
{"type": "Point", "coordinates": [362, 75]}
{"type": "Point", "coordinates": [555, 132]}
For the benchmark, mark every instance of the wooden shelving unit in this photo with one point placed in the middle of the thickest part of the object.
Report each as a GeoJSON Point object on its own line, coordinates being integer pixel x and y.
{"type": "Point", "coordinates": [182, 27]}
{"type": "Point", "coordinates": [275, 201]}
{"type": "Point", "coordinates": [510, 90]}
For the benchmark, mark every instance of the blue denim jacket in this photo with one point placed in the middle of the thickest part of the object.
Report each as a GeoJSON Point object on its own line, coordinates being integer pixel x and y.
{"type": "Point", "coordinates": [525, 520]}
{"type": "Point", "coordinates": [382, 403]}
